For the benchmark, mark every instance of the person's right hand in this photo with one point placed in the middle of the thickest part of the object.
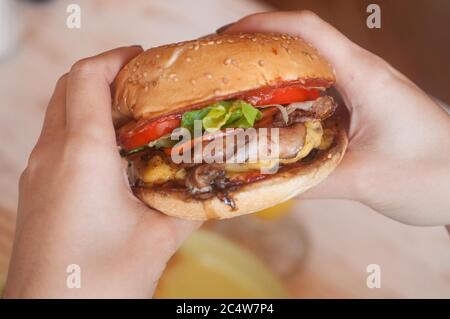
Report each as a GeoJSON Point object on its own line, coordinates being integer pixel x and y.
{"type": "Point", "coordinates": [398, 159]}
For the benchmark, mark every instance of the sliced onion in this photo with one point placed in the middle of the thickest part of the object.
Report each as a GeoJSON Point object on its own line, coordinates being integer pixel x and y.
{"type": "Point", "coordinates": [306, 106]}
{"type": "Point", "coordinates": [268, 105]}
{"type": "Point", "coordinates": [281, 108]}
{"type": "Point", "coordinates": [153, 143]}
{"type": "Point", "coordinates": [320, 88]}
{"type": "Point", "coordinates": [284, 113]}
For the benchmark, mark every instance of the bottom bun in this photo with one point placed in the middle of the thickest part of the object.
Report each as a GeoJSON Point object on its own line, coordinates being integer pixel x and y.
{"type": "Point", "coordinates": [252, 197]}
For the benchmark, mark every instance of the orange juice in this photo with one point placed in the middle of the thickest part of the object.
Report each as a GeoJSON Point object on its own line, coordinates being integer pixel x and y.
{"type": "Point", "coordinates": [210, 266]}
{"type": "Point", "coordinates": [277, 211]}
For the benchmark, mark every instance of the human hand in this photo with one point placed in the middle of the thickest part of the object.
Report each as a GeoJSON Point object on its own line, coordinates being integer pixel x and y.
{"type": "Point", "coordinates": [76, 206]}
{"type": "Point", "coordinates": [398, 158]}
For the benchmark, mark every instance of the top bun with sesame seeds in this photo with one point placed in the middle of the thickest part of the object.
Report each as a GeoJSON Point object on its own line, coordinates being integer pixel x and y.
{"type": "Point", "coordinates": [176, 77]}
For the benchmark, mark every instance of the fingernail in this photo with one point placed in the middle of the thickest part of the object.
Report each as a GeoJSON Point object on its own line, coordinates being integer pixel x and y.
{"type": "Point", "coordinates": [223, 28]}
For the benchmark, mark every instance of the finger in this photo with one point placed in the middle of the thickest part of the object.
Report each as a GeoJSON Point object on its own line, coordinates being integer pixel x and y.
{"type": "Point", "coordinates": [170, 231]}
{"type": "Point", "coordinates": [341, 183]}
{"type": "Point", "coordinates": [55, 115]}
{"type": "Point", "coordinates": [89, 95]}
{"type": "Point", "coordinates": [183, 228]}
{"type": "Point", "coordinates": [352, 64]}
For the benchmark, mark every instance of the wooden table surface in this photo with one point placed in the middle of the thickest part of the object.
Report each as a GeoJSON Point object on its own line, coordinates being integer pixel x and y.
{"type": "Point", "coordinates": [343, 237]}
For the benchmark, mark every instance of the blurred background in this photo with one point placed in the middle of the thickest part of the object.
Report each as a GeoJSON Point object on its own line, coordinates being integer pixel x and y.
{"type": "Point", "coordinates": [300, 249]}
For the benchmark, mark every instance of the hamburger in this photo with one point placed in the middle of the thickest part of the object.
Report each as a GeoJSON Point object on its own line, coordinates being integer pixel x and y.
{"type": "Point", "coordinates": [220, 85]}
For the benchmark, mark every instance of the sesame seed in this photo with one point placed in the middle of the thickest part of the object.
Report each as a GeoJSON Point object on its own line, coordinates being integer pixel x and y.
{"type": "Point", "coordinates": [261, 62]}
{"type": "Point", "coordinates": [230, 41]}
{"type": "Point", "coordinates": [211, 42]}
{"type": "Point", "coordinates": [193, 81]}
{"type": "Point", "coordinates": [227, 61]}
{"type": "Point", "coordinates": [208, 75]}
{"type": "Point", "coordinates": [218, 41]}
{"type": "Point", "coordinates": [188, 59]}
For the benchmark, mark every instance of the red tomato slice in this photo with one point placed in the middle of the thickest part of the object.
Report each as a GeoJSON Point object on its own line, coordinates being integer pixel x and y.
{"type": "Point", "coordinates": [137, 134]}
{"type": "Point", "coordinates": [283, 95]}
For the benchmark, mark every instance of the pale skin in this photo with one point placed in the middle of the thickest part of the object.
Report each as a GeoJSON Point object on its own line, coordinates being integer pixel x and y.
{"type": "Point", "coordinates": [76, 207]}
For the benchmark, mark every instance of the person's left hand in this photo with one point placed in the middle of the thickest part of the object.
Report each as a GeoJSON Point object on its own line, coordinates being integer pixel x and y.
{"type": "Point", "coordinates": [75, 205]}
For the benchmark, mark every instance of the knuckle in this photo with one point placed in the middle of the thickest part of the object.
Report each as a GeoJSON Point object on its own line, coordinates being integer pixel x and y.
{"type": "Point", "coordinates": [62, 79]}
{"type": "Point", "coordinates": [83, 66]}
{"type": "Point", "coordinates": [35, 157]}
{"type": "Point", "coordinates": [24, 177]}
{"type": "Point", "coordinates": [33, 165]}
{"type": "Point", "coordinates": [307, 15]}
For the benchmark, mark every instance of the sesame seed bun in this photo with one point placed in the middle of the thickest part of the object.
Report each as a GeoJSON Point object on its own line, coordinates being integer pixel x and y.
{"type": "Point", "coordinates": [177, 77]}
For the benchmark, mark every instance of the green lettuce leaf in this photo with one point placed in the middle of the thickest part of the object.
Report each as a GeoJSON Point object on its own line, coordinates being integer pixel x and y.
{"type": "Point", "coordinates": [188, 118]}
{"type": "Point", "coordinates": [222, 114]}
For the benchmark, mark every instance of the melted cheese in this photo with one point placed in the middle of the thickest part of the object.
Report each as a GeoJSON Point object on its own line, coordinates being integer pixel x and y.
{"type": "Point", "coordinates": [314, 133]}
{"type": "Point", "coordinates": [156, 171]}
{"type": "Point", "coordinates": [245, 167]}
